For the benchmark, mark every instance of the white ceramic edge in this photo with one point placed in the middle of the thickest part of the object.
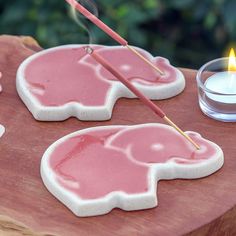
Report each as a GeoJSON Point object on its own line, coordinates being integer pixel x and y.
{"type": "Point", "coordinates": [128, 202]}
{"type": "Point", "coordinates": [99, 113]}
{"type": "Point", "coordinates": [2, 130]}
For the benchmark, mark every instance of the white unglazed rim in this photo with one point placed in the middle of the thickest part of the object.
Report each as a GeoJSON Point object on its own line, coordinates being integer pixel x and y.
{"type": "Point", "coordinates": [119, 199]}
{"type": "Point", "coordinates": [2, 130]}
{"type": "Point", "coordinates": [91, 113]}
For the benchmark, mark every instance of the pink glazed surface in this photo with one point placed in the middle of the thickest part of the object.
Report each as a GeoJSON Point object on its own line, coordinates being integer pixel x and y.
{"type": "Point", "coordinates": [96, 163]}
{"type": "Point", "coordinates": [0, 82]}
{"type": "Point", "coordinates": [69, 75]}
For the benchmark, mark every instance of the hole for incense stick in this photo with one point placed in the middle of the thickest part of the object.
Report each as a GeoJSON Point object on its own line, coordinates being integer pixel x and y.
{"type": "Point", "coordinates": [88, 50]}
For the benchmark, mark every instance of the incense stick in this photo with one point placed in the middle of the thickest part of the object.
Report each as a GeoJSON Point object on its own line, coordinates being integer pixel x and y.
{"type": "Point", "coordinates": [140, 95]}
{"type": "Point", "coordinates": [110, 32]}
{"type": "Point", "coordinates": [144, 59]}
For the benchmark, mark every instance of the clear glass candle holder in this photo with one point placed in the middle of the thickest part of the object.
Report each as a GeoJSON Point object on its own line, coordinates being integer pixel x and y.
{"type": "Point", "coordinates": [217, 90]}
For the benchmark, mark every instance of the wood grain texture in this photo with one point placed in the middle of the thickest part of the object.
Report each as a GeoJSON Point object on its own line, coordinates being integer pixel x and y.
{"type": "Point", "coordinates": [198, 207]}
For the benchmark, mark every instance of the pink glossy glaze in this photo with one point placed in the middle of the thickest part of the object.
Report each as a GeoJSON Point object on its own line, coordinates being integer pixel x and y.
{"type": "Point", "coordinates": [97, 163]}
{"type": "Point", "coordinates": [0, 82]}
{"type": "Point", "coordinates": [56, 78]}
{"type": "Point", "coordinates": [69, 75]}
{"type": "Point", "coordinates": [98, 170]}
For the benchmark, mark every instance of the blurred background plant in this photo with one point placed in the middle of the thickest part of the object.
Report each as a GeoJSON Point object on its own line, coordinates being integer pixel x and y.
{"type": "Point", "coordinates": [188, 32]}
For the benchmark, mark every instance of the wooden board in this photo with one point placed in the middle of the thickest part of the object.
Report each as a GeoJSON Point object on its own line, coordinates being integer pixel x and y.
{"type": "Point", "coordinates": [199, 207]}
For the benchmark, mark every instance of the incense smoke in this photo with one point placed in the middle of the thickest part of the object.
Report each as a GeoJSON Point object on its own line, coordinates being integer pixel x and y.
{"type": "Point", "coordinates": [81, 21]}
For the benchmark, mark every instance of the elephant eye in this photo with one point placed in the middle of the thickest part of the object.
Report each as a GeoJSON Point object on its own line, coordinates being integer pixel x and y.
{"type": "Point", "coordinates": [125, 67]}
{"type": "Point", "coordinates": [157, 147]}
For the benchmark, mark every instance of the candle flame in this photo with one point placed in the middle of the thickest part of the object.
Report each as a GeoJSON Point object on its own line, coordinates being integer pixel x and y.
{"type": "Point", "coordinates": [232, 61]}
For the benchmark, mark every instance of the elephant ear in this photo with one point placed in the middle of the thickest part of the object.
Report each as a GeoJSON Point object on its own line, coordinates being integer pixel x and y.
{"type": "Point", "coordinates": [135, 69]}
{"type": "Point", "coordinates": [65, 82]}
{"type": "Point", "coordinates": [157, 143]}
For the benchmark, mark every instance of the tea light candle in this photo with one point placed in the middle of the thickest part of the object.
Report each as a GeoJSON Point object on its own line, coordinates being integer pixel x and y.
{"type": "Point", "coordinates": [217, 88]}
{"type": "Point", "coordinates": [223, 83]}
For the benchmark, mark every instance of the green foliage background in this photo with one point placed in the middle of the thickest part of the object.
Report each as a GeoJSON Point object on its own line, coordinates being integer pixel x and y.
{"type": "Point", "coordinates": [188, 32]}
